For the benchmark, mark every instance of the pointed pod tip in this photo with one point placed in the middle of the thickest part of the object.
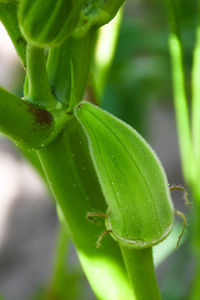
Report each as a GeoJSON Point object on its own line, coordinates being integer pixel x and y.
{"type": "Point", "coordinates": [78, 107]}
{"type": "Point", "coordinates": [81, 105]}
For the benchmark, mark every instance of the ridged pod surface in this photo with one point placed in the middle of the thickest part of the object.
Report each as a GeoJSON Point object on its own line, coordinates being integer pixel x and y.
{"type": "Point", "coordinates": [140, 209]}
{"type": "Point", "coordinates": [48, 23]}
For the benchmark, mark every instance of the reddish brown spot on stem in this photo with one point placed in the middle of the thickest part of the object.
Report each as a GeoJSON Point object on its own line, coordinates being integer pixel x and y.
{"type": "Point", "coordinates": [42, 116]}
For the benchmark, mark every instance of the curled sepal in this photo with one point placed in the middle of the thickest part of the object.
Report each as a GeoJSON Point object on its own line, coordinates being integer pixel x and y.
{"type": "Point", "coordinates": [96, 13]}
{"type": "Point", "coordinates": [140, 209]}
{"type": "Point", "coordinates": [48, 23]}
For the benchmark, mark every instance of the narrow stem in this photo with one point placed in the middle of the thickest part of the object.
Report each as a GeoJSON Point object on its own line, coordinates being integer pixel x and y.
{"type": "Point", "coordinates": [196, 103]}
{"type": "Point", "coordinates": [60, 258]}
{"type": "Point", "coordinates": [180, 98]}
{"type": "Point", "coordinates": [38, 87]}
{"type": "Point", "coordinates": [140, 267]}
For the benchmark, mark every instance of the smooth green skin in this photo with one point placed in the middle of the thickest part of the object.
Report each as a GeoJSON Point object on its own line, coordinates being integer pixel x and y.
{"type": "Point", "coordinates": [48, 23]}
{"type": "Point", "coordinates": [73, 182]}
{"type": "Point", "coordinates": [140, 210]}
{"type": "Point", "coordinates": [24, 123]}
{"type": "Point", "coordinates": [8, 16]}
{"type": "Point", "coordinates": [59, 275]}
{"type": "Point", "coordinates": [28, 125]}
{"type": "Point", "coordinates": [38, 90]}
{"type": "Point", "coordinates": [141, 272]}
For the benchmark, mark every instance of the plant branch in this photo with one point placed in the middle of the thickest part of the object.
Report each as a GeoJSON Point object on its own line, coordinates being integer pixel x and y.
{"type": "Point", "coordinates": [22, 122]}
{"type": "Point", "coordinates": [38, 86]}
{"type": "Point", "coordinates": [60, 259]}
{"type": "Point", "coordinates": [140, 267]}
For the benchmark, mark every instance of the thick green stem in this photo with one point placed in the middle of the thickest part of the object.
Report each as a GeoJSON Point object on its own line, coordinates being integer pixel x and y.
{"type": "Point", "coordinates": [22, 122]}
{"type": "Point", "coordinates": [72, 179]}
{"type": "Point", "coordinates": [140, 267]}
{"type": "Point", "coordinates": [38, 87]}
{"type": "Point", "coordinates": [180, 98]}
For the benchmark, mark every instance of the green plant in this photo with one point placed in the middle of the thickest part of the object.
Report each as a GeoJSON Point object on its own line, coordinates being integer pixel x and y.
{"type": "Point", "coordinates": [56, 42]}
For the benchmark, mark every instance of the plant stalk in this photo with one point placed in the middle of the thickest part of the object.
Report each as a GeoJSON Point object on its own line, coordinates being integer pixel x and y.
{"type": "Point", "coordinates": [38, 86]}
{"type": "Point", "coordinates": [59, 266]}
{"type": "Point", "coordinates": [140, 267]}
{"type": "Point", "coordinates": [22, 122]}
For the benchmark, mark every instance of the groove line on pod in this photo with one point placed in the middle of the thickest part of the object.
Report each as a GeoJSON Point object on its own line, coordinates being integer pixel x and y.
{"type": "Point", "coordinates": [131, 158]}
{"type": "Point", "coordinates": [106, 170]}
{"type": "Point", "coordinates": [51, 19]}
{"type": "Point", "coordinates": [30, 12]}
